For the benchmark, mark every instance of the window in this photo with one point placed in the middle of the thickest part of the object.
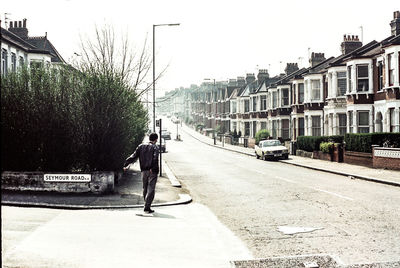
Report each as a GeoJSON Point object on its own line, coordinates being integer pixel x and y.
{"type": "Point", "coordinates": [234, 125]}
{"type": "Point", "coordinates": [351, 122]}
{"type": "Point", "coordinates": [362, 78]}
{"type": "Point", "coordinates": [294, 94]}
{"type": "Point", "coordinates": [4, 61]}
{"type": "Point", "coordinates": [274, 128]}
{"type": "Point", "coordinates": [21, 61]}
{"type": "Point", "coordinates": [263, 125]}
{"type": "Point", "coordinates": [254, 104]}
{"type": "Point", "coordinates": [301, 93]}
{"type": "Point", "coordinates": [341, 83]}
{"type": "Point", "coordinates": [315, 90]}
{"type": "Point", "coordinates": [380, 75]}
{"type": "Point", "coordinates": [247, 128]}
{"type": "Point", "coordinates": [301, 126]}
{"type": "Point", "coordinates": [263, 103]}
{"type": "Point", "coordinates": [13, 62]}
{"type": "Point", "coordinates": [274, 99]}
{"type": "Point", "coordinates": [285, 128]}
{"type": "Point", "coordinates": [349, 77]}
{"type": "Point", "coordinates": [363, 122]}
{"type": "Point", "coordinates": [234, 107]}
{"type": "Point", "coordinates": [392, 120]}
{"type": "Point", "coordinates": [254, 128]}
{"type": "Point", "coordinates": [36, 64]}
{"type": "Point", "coordinates": [246, 106]}
{"type": "Point", "coordinates": [285, 96]}
{"type": "Point", "coordinates": [391, 69]}
{"type": "Point", "coordinates": [342, 124]}
{"type": "Point", "coordinates": [316, 125]}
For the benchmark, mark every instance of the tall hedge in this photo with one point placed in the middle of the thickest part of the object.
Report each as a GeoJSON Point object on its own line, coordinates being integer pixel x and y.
{"type": "Point", "coordinates": [362, 142]}
{"type": "Point", "coordinates": [59, 119]}
{"type": "Point", "coordinates": [311, 143]}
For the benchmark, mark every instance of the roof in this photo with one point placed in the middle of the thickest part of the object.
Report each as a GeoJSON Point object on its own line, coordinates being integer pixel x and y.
{"type": "Point", "coordinates": [320, 68]}
{"type": "Point", "coordinates": [392, 40]}
{"type": "Point", "coordinates": [32, 44]}
{"type": "Point", "coordinates": [15, 40]}
{"type": "Point", "coordinates": [286, 79]}
{"type": "Point", "coordinates": [249, 89]}
{"type": "Point", "coordinates": [41, 42]}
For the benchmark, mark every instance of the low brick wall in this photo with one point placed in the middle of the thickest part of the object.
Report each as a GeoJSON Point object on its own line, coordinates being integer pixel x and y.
{"type": "Point", "coordinates": [101, 182]}
{"type": "Point", "coordinates": [304, 153]}
{"type": "Point", "coordinates": [386, 158]}
{"type": "Point", "coordinates": [358, 158]}
{"type": "Point", "coordinates": [322, 156]}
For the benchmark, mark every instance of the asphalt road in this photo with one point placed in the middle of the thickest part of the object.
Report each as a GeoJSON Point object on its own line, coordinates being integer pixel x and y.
{"type": "Point", "coordinates": [357, 221]}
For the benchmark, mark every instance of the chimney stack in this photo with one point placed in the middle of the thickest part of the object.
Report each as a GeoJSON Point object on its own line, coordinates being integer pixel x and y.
{"type": "Point", "coordinates": [350, 43]}
{"type": "Point", "coordinates": [241, 81]}
{"type": "Point", "coordinates": [291, 68]}
{"type": "Point", "coordinates": [316, 58]}
{"type": "Point", "coordinates": [250, 78]}
{"type": "Point", "coordinates": [262, 76]}
{"type": "Point", "coordinates": [19, 28]}
{"type": "Point", "coordinates": [395, 23]}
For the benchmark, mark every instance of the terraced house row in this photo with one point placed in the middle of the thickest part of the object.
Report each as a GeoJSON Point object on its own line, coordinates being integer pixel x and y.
{"type": "Point", "coordinates": [355, 92]}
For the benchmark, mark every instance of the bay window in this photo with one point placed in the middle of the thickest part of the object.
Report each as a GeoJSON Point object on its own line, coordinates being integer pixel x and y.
{"type": "Point", "coordinates": [341, 84]}
{"type": "Point", "coordinates": [315, 90]}
{"type": "Point", "coordinates": [380, 76]}
{"type": "Point", "coordinates": [342, 124]}
{"type": "Point", "coordinates": [263, 103]}
{"type": "Point", "coordinates": [301, 93]}
{"type": "Point", "coordinates": [363, 122]}
{"type": "Point", "coordinates": [315, 125]}
{"type": "Point", "coordinates": [285, 97]}
{"type": "Point", "coordinates": [391, 69]}
{"type": "Point", "coordinates": [362, 78]}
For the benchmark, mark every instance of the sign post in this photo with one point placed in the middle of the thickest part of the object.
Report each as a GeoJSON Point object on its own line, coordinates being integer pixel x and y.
{"type": "Point", "coordinates": [159, 124]}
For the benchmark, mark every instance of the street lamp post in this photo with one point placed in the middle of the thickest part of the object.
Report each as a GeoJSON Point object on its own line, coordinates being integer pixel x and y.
{"type": "Point", "coordinates": [154, 70]}
{"type": "Point", "coordinates": [209, 79]}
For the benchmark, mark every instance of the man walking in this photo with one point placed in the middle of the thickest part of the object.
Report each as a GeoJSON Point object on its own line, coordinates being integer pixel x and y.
{"type": "Point", "coordinates": [148, 158]}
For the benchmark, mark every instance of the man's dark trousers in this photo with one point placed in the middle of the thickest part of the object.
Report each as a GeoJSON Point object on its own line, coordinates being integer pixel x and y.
{"type": "Point", "coordinates": [149, 186]}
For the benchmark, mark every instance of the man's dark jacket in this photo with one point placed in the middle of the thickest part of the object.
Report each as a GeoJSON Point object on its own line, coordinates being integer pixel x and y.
{"type": "Point", "coordinates": [148, 157]}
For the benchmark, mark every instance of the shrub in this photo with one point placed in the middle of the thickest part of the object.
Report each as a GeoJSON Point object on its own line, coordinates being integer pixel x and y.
{"type": "Point", "coordinates": [362, 142]}
{"type": "Point", "coordinates": [326, 147]}
{"type": "Point", "coordinates": [261, 135]}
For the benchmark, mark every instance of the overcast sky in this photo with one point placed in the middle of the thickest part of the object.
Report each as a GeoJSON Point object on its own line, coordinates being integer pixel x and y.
{"type": "Point", "coordinates": [216, 39]}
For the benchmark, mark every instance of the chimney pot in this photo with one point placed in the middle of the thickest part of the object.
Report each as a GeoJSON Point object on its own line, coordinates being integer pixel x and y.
{"type": "Point", "coordinates": [24, 23]}
{"type": "Point", "coordinates": [396, 14]}
{"type": "Point", "coordinates": [20, 24]}
{"type": "Point", "coordinates": [11, 24]}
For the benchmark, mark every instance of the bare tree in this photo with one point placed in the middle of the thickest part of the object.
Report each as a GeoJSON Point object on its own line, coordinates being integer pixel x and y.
{"type": "Point", "coordinates": [104, 53]}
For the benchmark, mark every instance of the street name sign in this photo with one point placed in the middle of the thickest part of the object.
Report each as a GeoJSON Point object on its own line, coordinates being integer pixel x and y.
{"type": "Point", "coordinates": [67, 177]}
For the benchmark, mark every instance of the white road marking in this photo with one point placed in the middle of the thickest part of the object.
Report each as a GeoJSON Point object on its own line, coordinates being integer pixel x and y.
{"type": "Point", "coordinates": [332, 193]}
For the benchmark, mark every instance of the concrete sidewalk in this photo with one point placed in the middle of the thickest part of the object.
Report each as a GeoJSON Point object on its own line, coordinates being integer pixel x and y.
{"type": "Point", "coordinates": [127, 194]}
{"type": "Point", "coordinates": [390, 177]}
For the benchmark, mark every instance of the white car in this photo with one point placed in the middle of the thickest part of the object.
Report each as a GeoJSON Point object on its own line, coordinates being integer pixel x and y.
{"type": "Point", "coordinates": [271, 149]}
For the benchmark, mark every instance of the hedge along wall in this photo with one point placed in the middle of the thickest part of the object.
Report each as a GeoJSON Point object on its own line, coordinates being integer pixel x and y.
{"type": "Point", "coordinates": [311, 143]}
{"type": "Point", "coordinates": [59, 119]}
{"type": "Point", "coordinates": [362, 142]}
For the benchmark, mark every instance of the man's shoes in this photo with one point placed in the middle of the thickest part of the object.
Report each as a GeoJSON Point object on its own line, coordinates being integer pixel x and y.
{"type": "Point", "coordinates": [148, 211]}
